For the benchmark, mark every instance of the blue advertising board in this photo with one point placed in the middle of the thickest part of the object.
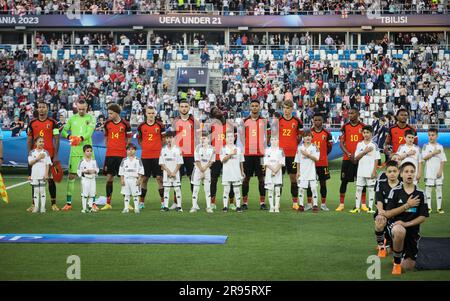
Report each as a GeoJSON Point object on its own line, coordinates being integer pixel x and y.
{"type": "Point", "coordinates": [15, 148]}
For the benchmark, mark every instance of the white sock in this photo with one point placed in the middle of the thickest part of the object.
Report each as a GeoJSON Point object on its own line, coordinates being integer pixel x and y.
{"type": "Point", "coordinates": [314, 195]}
{"type": "Point", "coordinates": [226, 192]}
{"type": "Point", "coordinates": [439, 196]}
{"type": "Point", "coordinates": [428, 191]}
{"type": "Point", "coordinates": [207, 189]}
{"type": "Point", "coordinates": [90, 202]}
{"type": "Point", "coordinates": [270, 194]}
{"type": "Point", "coordinates": [84, 202]}
{"type": "Point", "coordinates": [43, 197]}
{"type": "Point", "coordinates": [36, 197]}
{"type": "Point", "coordinates": [371, 193]}
{"type": "Point", "coordinates": [277, 197]}
{"type": "Point", "coordinates": [136, 203]}
{"type": "Point", "coordinates": [237, 195]}
{"type": "Point", "coordinates": [195, 196]}
{"type": "Point", "coordinates": [166, 196]}
{"type": "Point", "coordinates": [301, 193]}
{"type": "Point", "coordinates": [126, 202]}
{"type": "Point", "coordinates": [178, 195]}
{"type": "Point", "coordinates": [359, 190]}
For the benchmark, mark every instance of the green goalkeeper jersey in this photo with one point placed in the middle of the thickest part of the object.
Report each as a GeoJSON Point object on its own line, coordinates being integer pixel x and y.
{"type": "Point", "coordinates": [82, 127]}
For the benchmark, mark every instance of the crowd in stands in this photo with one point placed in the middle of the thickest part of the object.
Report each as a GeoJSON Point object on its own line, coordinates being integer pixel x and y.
{"type": "Point", "coordinates": [379, 81]}
{"type": "Point", "coordinates": [235, 7]}
{"type": "Point", "coordinates": [418, 82]}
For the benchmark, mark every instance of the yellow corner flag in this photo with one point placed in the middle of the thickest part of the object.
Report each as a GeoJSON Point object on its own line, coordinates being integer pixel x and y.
{"type": "Point", "coordinates": [3, 192]}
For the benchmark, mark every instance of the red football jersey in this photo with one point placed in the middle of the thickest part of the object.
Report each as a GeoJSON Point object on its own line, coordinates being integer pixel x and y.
{"type": "Point", "coordinates": [218, 136]}
{"type": "Point", "coordinates": [150, 137]}
{"type": "Point", "coordinates": [116, 135]}
{"type": "Point", "coordinates": [289, 133]}
{"type": "Point", "coordinates": [397, 136]}
{"type": "Point", "coordinates": [44, 129]}
{"type": "Point", "coordinates": [185, 135]}
{"type": "Point", "coordinates": [255, 135]}
{"type": "Point", "coordinates": [351, 135]}
{"type": "Point", "coordinates": [324, 142]}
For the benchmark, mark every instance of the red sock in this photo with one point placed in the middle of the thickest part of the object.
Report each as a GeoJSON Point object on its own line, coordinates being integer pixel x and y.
{"type": "Point", "coordinates": [245, 199]}
{"type": "Point", "coordinates": [141, 199]}
{"type": "Point", "coordinates": [213, 200]}
{"type": "Point", "coordinates": [324, 200]}
{"type": "Point", "coordinates": [342, 198]}
{"type": "Point", "coordinates": [262, 199]}
{"type": "Point", "coordinates": [309, 200]}
{"type": "Point", "coordinates": [363, 198]}
{"type": "Point", "coordinates": [174, 197]}
{"type": "Point", "coordinates": [108, 200]}
{"type": "Point", "coordinates": [295, 200]}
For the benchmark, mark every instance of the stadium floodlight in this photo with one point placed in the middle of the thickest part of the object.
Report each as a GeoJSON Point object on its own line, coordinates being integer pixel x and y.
{"type": "Point", "coordinates": [366, 27]}
{"type": "Point", "coordinates": [138, 27]}
{"type": "Point", "coordinates": [20, 27]}
{"type": "Point", "coordinates": [243, 28]}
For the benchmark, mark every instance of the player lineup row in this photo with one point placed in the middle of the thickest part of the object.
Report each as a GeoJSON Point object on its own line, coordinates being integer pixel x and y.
{"type": "Point", "coordinates": [268, 164]}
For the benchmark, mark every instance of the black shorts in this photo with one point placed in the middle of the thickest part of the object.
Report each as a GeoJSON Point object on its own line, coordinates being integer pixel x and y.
{"type": "Point", "coordinates": [187, 167]}
{"type": "Point", "coordinates": [348, 171]}
{"type": "Point", "coordinates": [290, 166]}
{"type": "Point", "coordinates": [152, 168]}
{"type": "Point", "coordinates": [216, 169]}
{"type": "Point", "coordinates": [387, 233]}
{"type": "Point", "coordinates": [253, 166]}
{"type": "Point", "coordinates": [323, 173]}
{"type": "Point", "coordinates": [112, 165]}
{"type": "Point", "coordinates": [410, 246]}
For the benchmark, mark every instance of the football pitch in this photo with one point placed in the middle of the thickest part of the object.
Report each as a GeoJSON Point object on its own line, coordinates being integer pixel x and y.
{"type": "Point", "coordinates": [260, 245]}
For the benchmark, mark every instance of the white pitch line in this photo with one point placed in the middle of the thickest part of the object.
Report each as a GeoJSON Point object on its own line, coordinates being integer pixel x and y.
{"type": "Point", "coordinates": [17, 185]}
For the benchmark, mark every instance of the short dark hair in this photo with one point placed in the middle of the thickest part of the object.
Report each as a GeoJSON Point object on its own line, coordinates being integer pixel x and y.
{"type": "Point", "coordinates": [131, 145]}
{"type": "Point", "coordinates": [391, 163]}
{"type": "Point", "coordinates": [82, 102]}
{"type": "Point", "coordinates": [402, 110]}
{"type": "Point", "coordinates": [115, 108]}
{"type": "Point", "coordinates": [433, 129]}
{"type": "Point", "coordinates": [410, 132]}
{"type": "Point", "coordinates": [318, 115]}
{"type": "Point", "coordinates": [255, 100]}
{"type": "Point", "coordinates": [169, 134]}
{"type": "Point", "coordinates": [41, 101]}
{"type": "Point", "coordinates": [368, 128]}
{"type": "Point", "coordinates": [86, 147]}
{"type": "Point", "coordinates": [307, 133]}
{"type": "Point", "coordinates": [406, 164]}
{"type": "Point", "coordinates": [184, 101]}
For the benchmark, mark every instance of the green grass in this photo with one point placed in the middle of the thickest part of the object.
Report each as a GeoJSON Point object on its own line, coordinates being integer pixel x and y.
{"type": "Point", "coordinates": [260, 246]}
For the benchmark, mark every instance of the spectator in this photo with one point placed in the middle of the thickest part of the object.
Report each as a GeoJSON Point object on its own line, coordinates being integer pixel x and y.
{"type": "Point", "coordinates": [16, 127]}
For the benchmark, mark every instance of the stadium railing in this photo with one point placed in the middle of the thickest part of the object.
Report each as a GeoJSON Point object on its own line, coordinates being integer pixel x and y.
{"type": "Point", "coordinates": [333, 49]}
{"type": "Point", "coordinates": [192, 9]}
